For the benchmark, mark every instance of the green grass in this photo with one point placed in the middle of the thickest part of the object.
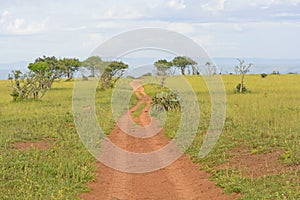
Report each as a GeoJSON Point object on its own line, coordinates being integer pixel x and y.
{"type": "Point", "coordinates": [261, 121]}
{"type": "Point", "coordinates": [138, 111]}
{"type": "Point", "coordinates": [60, 172]}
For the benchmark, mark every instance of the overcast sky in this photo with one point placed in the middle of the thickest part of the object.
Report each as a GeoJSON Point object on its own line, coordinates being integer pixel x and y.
{"type": "Point", "coordinates": [224, 28]}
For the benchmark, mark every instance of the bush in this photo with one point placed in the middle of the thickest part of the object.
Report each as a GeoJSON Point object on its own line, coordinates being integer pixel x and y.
{"type": "Point", "coordinates": [147, 74]}
{"type": "Point", "coordinates": [238, 87]}
{"type": "Point", "coordinates": [166, 100]}
{"type": "Point", "coordinates": [263, 75]}
{"type": "Point", "coordinates": [30, 85]}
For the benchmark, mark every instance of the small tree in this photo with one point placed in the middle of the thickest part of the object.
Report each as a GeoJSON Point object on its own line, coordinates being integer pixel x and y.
{"type": "Point", "coordinates": [69, 66]}
{"type": "Point", "coordinates": [112, 73]}
{"type": "Point", "coordinates": [211, 69]}
{"type": "Point", "coordinates": [182, 62]}
{"type": "Point", "coordinates": [49, 68]}
{"type": "Point", "coordinates": [242, 69]}
{"type": "Point", "coordinates": [42, 73]}
{"type": "Point", "coordinates": [28, 85]}
{"type": "Point", "coordinates": [163, 68]}
{"type": "Point", "coordinates": [95, 65]}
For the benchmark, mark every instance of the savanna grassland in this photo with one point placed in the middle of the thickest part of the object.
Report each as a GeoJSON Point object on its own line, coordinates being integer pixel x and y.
{"type": "Point", "coordinates": [262, 129]}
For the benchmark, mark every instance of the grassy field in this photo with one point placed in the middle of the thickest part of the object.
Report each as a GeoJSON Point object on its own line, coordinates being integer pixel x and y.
{"type": "Point", "coordinates": [262, 121]}
{"type": "Point", "coordinates": [59, 172]}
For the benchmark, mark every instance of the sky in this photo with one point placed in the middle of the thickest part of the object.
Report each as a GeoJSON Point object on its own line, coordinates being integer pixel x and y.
{"type": "Point", "coordinates": [224, 28]}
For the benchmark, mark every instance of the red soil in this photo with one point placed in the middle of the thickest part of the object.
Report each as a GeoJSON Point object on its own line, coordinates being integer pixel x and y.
{"type": "Point", "coordinates": [180, 180]}
{"type": "Point", "coordinates": [256, 165]}
{"type": "Point", "coordinates": [41, 145]}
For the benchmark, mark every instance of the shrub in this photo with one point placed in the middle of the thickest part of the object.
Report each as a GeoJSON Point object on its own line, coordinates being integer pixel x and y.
{"type": "Point", "coordinates": [166, 100]}
{"type": "Point", "coordinates": [263, 75]}
{"type": "Point", "coordinates": [28, 85]}
{"type": "Point", "coordinates": [238, 87]}
{"type": "Point", "coordinates": [147, 74]}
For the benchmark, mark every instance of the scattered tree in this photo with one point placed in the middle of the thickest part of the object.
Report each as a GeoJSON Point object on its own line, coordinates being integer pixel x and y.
{"type": "Point", "coordinates": [42, 73]}
{"type": "Point", "coordinates": [211, 69]}
{"type": "Point", "coordinates": [240, 88]}
{"type": "Point", "coordinates": [28, 85]}
{"type": "Point", "coordinates": [95, 65]}
{"type": "Point", "coordinates": [112, 73]}
{"type": "Point", "coordinates": [163, 68]}
{"type": "Point", "coordinates": [182, 62]}
{"type": "Point", "coordinates": [69, 66]}
{"type": "Point", "coordinates": [242, 69]}
{"type": "Point", "coordinates": [48, 66]}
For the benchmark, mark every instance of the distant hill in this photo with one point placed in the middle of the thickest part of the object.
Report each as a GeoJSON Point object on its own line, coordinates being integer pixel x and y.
{"type": "Point", "coordinates": [140, 65]}
{"type": "Point", "coordinates": [6, 68]}
{"type": "Point", "coordinates": [260, 65]}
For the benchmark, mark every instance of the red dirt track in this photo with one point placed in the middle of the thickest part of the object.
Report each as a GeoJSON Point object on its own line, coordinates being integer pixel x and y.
{"type": "Point", "coordinates": [180, 180]}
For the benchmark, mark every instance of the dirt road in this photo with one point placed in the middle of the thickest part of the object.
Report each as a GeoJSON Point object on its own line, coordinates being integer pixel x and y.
{"type": "Point", "coordinates": [180, 180]}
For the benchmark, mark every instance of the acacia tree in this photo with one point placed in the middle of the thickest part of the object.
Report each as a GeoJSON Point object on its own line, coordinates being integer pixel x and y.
{"type": "Point", "coordinates": [95, 65]}
{"type": "Point", "coordinates": [163, 68]}
{"type": "Point", "coordinates": [69, 66]}
{"type": "Point", "coordinates": [182, 62]}
{"type": "Point", "coordinates": [49, 68]}
{"type": "Point", "coordinates": [112, 73]}
{"type": "Point", "coordinates": [242, 69]}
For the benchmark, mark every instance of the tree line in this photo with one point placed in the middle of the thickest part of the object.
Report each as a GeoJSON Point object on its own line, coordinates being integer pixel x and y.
{"type": "Point", "coordinates": [165, 68]}
{"type": "Point", "coordinates": [41, 74]}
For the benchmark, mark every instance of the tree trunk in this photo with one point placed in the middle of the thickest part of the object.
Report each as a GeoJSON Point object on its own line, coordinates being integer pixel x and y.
{"type": "Point", "coordinates": [93, 71]}
{"type": "Point", "coordinates": [69, 75]}
{"type": "Point", "coordinates": [242, 83]}
{"type": "Point", "coordinates": [182, 71]}
{"type": "Point", "coordinates": [163, 81]}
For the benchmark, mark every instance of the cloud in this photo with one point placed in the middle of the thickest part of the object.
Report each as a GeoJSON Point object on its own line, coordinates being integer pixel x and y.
{"type": "Point", "coordinates": [177, 4]}
{"type": "Point", "coordinates": [107, 24]}
{"type": "Point", "coordinates": [238, 27]}
{"type": "Point", "coordinates": [204, 40]}
{"type": "Point", "coordinates": [94, 39]}
{"type": "Point", "coordinates": [263, 4]}
{"type": "Point", "coordinates": [214, 5]}
{"type": "Point", "coordinates": [120, 12]}
{"type": "Point", "coordinates": [18, 26]}
{"type": "Point", "coordinates": [154, 3]}
{"type": "Point", "coordinates": [183, 28]}
{"type": "Point", "coordinates": [3, 16]}
{"type": "Point", "coordinates": [224, 27]}
{"type": "Point", "coordinates": [284, 14]}
{"type": "Point", "coordinates": [75, 28]}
